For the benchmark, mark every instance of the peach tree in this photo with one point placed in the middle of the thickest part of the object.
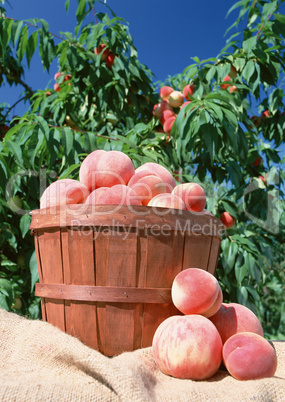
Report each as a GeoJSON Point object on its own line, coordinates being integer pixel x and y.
{"type": "Point", "coordinates": [103, 98]}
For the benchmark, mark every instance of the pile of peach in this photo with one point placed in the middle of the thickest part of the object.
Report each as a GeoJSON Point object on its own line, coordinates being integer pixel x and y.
{"type": "Point", "coordinates": [109, 177]}
{"type": "Point", "coordinates": [171, 103]}
{"type": "Point", "coordinates": [193, 345]}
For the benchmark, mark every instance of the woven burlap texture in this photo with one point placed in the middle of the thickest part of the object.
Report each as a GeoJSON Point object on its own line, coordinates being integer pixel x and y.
{"type": "Point", "coordinates": [38, 362]}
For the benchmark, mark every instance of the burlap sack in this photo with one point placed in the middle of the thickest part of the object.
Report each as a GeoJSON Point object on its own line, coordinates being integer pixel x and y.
{"type": "Point", "coordinates": [38, 362]}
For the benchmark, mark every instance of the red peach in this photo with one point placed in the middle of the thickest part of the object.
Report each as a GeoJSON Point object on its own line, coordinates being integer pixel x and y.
{"type": "Point", "coordinates": [167, 200]}
{"type": "Point", "coordinates": [193, 196]}
{"type": "Point", "coordinates": [225, 86]}
{"type": "Point", "coordinates": [146, 185]}
{"type": "Point", "coordinates": [165, 91]}
{"type": "Point", "coordinates": [57, 75]}
{"type": "Point", "coordinates": [175, 99]}
{"type": "Point", "coordinates": [119, 194]}
{"type": "Point", "coordinates": [184, 104]}
{"type": "Point", "coordinates": [110, 60]}
{"type": "Point", "coordinates": [248, 356]}
{"type": "Point", "coordinates": [257, 161]}
{"type": "Point", "coordinates": [64, 192]}
{"type": "Point", "coordinates": [165, 115]}
{"type": "Point", "coordinates": [161, 172]}
{"type": "Point", "coordinates": [256, 120]}
{"type": "Point", "coordinates": [265, 114]}
{"type": "Point", "coordinates": [168, 124]}
{"type": "Point", "coordinates": [154, 110]}
{"type": "Point", "coordinates": [263, 178]}
{"type": "Point", "coordinates": [106, 169]}
{"type": "Point", "coordinates": [56, 87]}
{"type": "Point", "coordinates": [88, 169]}
{"type": "Point", "coordinates": [163, 105]}
{"type": "Point", "coordinates": [187, 347]}
{"type": "Point", "coordinates": [67, 77]}
{"type": "Point", "coordinates": [233, 318]}
{"type": "Point", "coordinates": [188, 90]}
{"type": "Point", "coordinates": [227, 220]}
{"type": "Point", "coordinates": [100, 49]}
{"type": "Point", "coordinates": [94, 195]}
{"type": "Point", "coordinates": [196, 291]}
{"type": "Point", "coordinates": [233, 89]}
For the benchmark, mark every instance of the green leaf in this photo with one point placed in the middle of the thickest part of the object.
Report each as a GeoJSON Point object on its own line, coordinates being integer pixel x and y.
{"type": "Point", "coordinates": [249, 44]}
{"type": "Point", "coordinates": [268, 9]}
{"type": "Point", "coordinates": [15, 31]}
{"type": "Point", "coordinates": [15, 150]}
{"type": "Point", "coordinates": [248, 70]}
{"type": "Point", "coordinates": [33, 270]}
{"type": "Point", "coordinates": [22, 43]}
{"type": "Point", "coordinates": [67, 5]}
{"type": "Point", "coordinates": [25, 222]}
{"type": "Point", "coordinates": [210, 135]}
{"type": "Point", "coordinates": [6, 35]}
{"type": "Point", "coordinates": [6, 289]}
{"type": "Point", "coordinates": [31, 48]}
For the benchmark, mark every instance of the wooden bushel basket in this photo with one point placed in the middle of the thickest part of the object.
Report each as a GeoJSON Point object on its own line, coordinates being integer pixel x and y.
{"type": "Point", "coordinates": [106, 274]}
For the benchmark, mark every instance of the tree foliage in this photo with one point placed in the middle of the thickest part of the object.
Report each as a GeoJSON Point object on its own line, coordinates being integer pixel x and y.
{"type": "Point", "coordinates": [215, 140]}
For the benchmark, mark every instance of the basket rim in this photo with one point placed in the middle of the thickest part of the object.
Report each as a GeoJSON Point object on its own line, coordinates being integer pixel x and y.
{"type": "Point", "coordinates": [137, 217]}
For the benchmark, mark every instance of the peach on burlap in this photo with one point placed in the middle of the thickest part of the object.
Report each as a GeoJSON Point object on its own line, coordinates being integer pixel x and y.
{"type": "Point", "coordinates": [40, 363]}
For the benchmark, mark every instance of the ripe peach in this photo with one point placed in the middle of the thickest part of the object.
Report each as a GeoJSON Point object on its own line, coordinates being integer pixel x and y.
{"type": "Point", "coordinates": [265, 114]}
{"type": "Point", "coordinates": [248, 356]}
{"type": "Point", "coordinates": [94, 195]}
{"type": "Point", "coordinates": [154, 110]}
{"type": "Point", "coordinates": [56, 87]}
{"type": "Point", "coordinates": [167, 200]}
{"type": "Point", "coordinates": [233, 318]}
{"type": "Point", "coordinates": [193, 196]}
{"type": "Point", "coordinates": [187, 347]}
{"type": "Point", "coordinates": [233, 89]}
{"type": "Point", "coordinates": [64, 192]}
{"type": "Point", "coordinates": [168, 124]}
{"type": "Point", "coordinates": [256, 120]}
{"type": "Point", "coordinates": [106, 169]}
{"type": "Point", "coordinates": [257, 161]}
{"type": "Point", "coordinates": [57, 75]}
{"type": "Point", "coordinates": [110, 60]}
{"type": "Point", "coordinates": [263, 178]}
{"type": "Point", "coordinates": [88, 168]}
{"type": "Point", "coordinates": [188, 90]}
{"type": "Point", "coordinates": [225, 86]}
{"type": "Point", "coordinates": [119, 194]}
{"type": "Point", "coordinates": [165, 91]}
{"type": "Point", "coordinates": [67, 77]}
{"type": "Point", "coordinates": [176, 99]}
{"type": "Point", "coordinates": [146, 185]}
{"type": "Point", "coordinates": [100, 49]}
{"type": "Point", "coordinates": [196, 291]}
{"type": "Point", "coordinates": [163, 105]}
{"type": "Point", "coordinates": [184, 104]}
{"type": "Point", "coordinates": [161, 172]}
{"type": "Point", "coordinates": [166, 114]}
{"type": "Point", "coordinates": [227, 220]}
